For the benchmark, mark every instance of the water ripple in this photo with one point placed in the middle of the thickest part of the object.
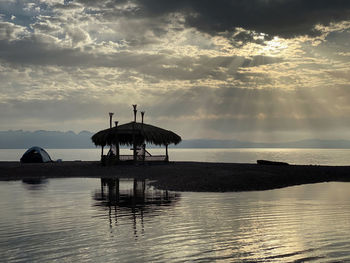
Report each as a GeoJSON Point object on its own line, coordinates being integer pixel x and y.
{"type": "Point", "coordinates": [69, 221]}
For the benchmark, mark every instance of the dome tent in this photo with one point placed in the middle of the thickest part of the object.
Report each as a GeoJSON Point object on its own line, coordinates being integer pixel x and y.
{"type": "Point", "coordinates": [35, 155]}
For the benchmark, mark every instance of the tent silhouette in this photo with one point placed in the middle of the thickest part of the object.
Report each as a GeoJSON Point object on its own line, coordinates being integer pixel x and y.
{"type": "Point", "coordinates": [36, 155]}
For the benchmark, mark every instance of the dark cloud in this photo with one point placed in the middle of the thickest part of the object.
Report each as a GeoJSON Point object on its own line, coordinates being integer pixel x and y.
{"type": "Point", "coordinates": [244, 37]}
{"type": "Point", "coordinates": [286, 18]}
{"type": "Point", "coordinates": [40, 50]}
{"type": "Point", "coordinates": [67, 6]}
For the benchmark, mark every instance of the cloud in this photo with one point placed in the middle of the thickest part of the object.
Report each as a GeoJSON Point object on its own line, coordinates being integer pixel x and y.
{"type": "Point", "coordinates": [204, 68]}
{"type": "Point", "coordinates": [286, 18]}
{"type": "Point", "coordinates": [10, 31]}
{"type": "Point", "coordinates": [42, 49]}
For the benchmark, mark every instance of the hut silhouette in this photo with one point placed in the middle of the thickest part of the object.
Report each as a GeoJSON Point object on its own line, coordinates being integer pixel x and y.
{"type": "Point", "coordinates": [134, 134]}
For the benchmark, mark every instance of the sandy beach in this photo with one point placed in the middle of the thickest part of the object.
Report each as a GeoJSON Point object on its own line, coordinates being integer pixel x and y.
{"type": "Point", "coordinates": [186, 176]}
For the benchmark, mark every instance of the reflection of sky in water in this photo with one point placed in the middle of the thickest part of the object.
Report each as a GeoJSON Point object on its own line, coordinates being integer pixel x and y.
{"type": "Point", "coordinates": [70, 219]}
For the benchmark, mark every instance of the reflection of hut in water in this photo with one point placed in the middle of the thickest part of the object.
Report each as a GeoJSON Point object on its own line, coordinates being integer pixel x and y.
{"type": "Point", "coordinates": [132, 199]}
{"type": "Point", "coordinates": [132, 193]}
{"type": "Point", "coordinates": [134, 134]}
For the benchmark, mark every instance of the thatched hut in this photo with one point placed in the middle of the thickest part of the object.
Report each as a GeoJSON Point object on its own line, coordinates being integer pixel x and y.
{"type": "Point", "coordinates": [136, 134]}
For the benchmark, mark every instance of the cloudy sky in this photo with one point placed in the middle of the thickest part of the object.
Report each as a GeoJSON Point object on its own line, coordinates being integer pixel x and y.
{"type": "Point", "coordinates": [258, 70]}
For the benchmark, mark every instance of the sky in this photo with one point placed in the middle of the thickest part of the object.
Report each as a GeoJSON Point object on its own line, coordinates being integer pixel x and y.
{"type": "Point", "coordinates": [256, 70]}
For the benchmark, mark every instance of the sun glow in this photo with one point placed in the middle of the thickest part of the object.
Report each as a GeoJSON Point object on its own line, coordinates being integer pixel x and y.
{"type": "Point", "coordinates": [274, 46]}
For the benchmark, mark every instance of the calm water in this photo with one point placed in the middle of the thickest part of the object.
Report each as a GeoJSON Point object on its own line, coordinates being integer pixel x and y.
{"type": "Point", "coordinates": [294, 156]}
{"type": "Point", "coordinates": [94, 220]}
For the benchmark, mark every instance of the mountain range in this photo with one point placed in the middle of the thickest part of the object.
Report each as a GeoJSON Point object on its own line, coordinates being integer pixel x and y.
{"type": "Point", "coordinates": [47, 139]}
{"type": "Point", "coordinates": [20, 139]}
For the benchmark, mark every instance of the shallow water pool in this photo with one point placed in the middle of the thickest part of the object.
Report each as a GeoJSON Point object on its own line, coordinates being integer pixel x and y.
{"type": "Point", "coordinates": [100, 220]}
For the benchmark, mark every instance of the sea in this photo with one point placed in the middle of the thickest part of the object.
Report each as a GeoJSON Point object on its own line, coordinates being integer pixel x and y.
{"type": "Point", "coordinates": [128, 220]}
{"type": "Point", "coordinates": [234, 155]}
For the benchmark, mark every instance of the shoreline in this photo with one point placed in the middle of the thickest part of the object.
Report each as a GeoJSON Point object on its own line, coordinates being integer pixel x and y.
{"type": "Point", "coordinates": [185, 176]}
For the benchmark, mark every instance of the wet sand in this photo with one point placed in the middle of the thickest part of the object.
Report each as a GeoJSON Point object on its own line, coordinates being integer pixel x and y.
{"type": "Point", "coordinates": [186, 176]}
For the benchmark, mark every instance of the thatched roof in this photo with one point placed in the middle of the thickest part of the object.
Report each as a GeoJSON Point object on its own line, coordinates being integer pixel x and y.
{"type": "Point", "coordinates": [123, 134]}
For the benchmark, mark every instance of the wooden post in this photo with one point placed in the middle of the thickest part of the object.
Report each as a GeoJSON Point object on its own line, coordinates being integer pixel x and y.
{"type": "Point", "coordinates": [143, 144]}
{"type": "Point", "coordinates": [133, 133]}
{"type": "Point", "coordinates": [110, 126]}
{"type": "Point", "coordinates": [142, 115]}
{"type": "Point", "coordinates": [110, 119]}
{"type": "Point", "coordinates": [143, 152]}
{"type": "Point", "coordinates": [166, 153]}
{"type": "Point", "coordinates": [117, 144]}
{"type": "Point", "coordinates": [135, 111]}
{"type": "Point", "coordinates": [134, 142]}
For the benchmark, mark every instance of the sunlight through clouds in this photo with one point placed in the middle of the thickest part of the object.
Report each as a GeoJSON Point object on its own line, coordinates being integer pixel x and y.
{"type": "Point", "coordinates": [231, 68]}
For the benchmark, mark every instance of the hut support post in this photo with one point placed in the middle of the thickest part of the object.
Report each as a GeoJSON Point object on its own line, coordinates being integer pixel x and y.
{"type": "Point", "coordinates": [134, 149]}
{"type": "Point", "coordinates": [143, 152]}
{"type": "Point", "coordinates": [166, 153]}
{"type": "Point", "coordinates": [134, 143]}
{"type": "Point", "coordinates": [102, 152]}
{"type": "Point", "coordinates": [110, 126]}
{"type": "Point", "coordinates": [117, 144]}
{"type": "Point", "coordinates": [118, 154]}
{"type": "Point", "coordinates": [135, 111]}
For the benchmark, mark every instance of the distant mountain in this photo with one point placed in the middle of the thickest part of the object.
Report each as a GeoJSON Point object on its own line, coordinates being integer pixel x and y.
{"type": "Point", "coordinates": [316, 143]}
{"type": "Point", "coordinates": [47, 139]}
{"type": "Point", "coordinates": [69, 140]}
{"type": "Point", "coordinates": [311, 143]}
